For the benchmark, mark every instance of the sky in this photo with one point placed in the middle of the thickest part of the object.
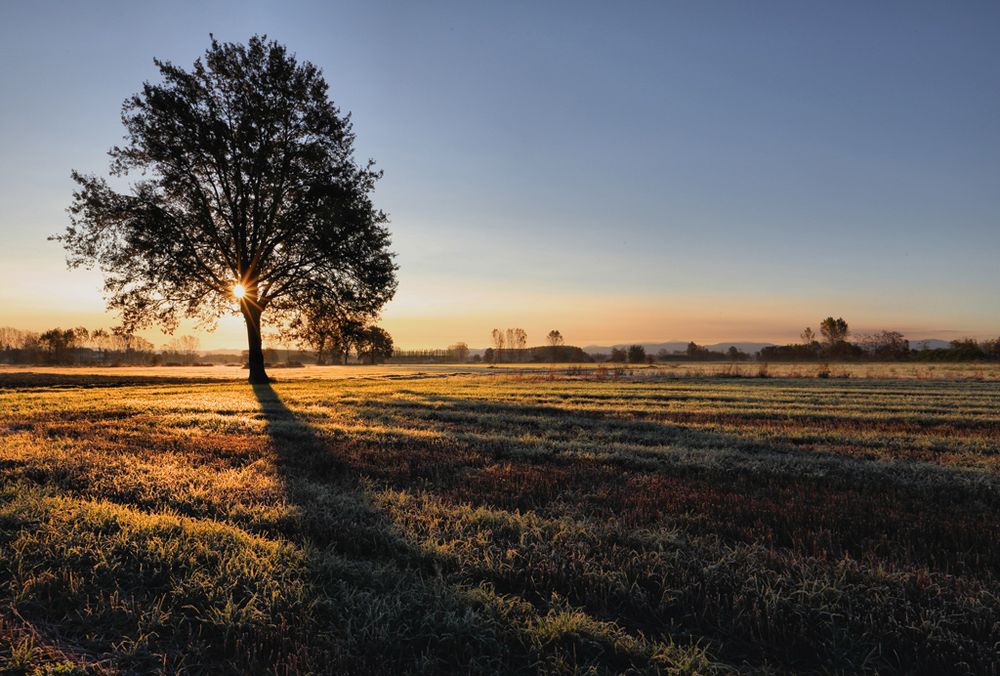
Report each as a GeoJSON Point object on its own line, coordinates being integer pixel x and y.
{"type": "Point", "coordinates": [621, 172]}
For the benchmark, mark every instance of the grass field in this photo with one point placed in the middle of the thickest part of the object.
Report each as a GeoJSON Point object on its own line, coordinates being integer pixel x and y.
{"type": "Point", "coordinates": [865, 371]}
{"type": "Point", "coordinates": [499, 521]}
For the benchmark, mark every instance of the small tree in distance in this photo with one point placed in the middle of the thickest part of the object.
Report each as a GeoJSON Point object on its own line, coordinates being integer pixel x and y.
{"type": "Point", "coordinates": [499, 340]}
{"type": "Point", "coordinates": [331, 335]}
{"type": "Point", "coordinates": [514, 340]}
{"type": "Point", "coordinates": [834, 330]}
{"type": "Point", "coordinates": [890, 345]}
{"type": "Point", "coordinates": [555, 340]}
{"type": "Point", "coordinates": [374, 345]}
{"type": "Point", "coordinates": [184, 347]}
{"type": "Point", "coordinates": [459, 352]}
{"type": "Point", "coordinates": [520, 342]}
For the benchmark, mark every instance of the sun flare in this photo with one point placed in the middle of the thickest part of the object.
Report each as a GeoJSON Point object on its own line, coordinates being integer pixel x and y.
{"type": "Point", "coordinates": [238, 291]}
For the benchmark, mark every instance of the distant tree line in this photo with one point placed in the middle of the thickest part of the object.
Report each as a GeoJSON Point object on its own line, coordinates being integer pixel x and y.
{"type": "Point", "coordinates": [511, 346]}
{"type": "Point", "coordinates": [964, 349]}
{"type": "Point", "coordinates": [633, 354]}
{"type": "Point", "coordinates": [696, 352]}
{"type": "Point", "coordinates": [636, 354]}
{"type": "Point", "coordinates": [458, 353]}
{"type": "Point", "coordinates": [833, 345]}
{"type": "Point", "coordinates": [66, 347]}
{"type": "Point", "coordinates": [335, 339]}
{"type": "Point", "coordinates": [335, 336]}
{"type": "Point", "coordinates": [559, 354]}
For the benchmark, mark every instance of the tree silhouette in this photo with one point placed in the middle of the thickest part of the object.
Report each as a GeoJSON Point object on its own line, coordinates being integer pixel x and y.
{"type": "Point", "coordinates": [459, 352]}
{"type": "Point", "coordinates": [248, 188]}
{"type": "Point", "coordinates": [636, 354]}
{"type": "Point", "coordinates": [555, 339]}
{"type": "Point", "coordinates": [330, 333]}
{"type": "Point", "coordinates": [520, 343]}
{"type": "Point", "coordinates": [833, 330]}
{"type": "Point", "coordinates": [498, 343]}
{"type": "Point", "coordinates": [374, 345]}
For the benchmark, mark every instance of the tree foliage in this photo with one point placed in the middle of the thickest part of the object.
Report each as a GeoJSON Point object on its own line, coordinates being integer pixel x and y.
{"type": "Point", "coordinates": [374, 345]}
{"type": "Point", "coordinates": [499, 342]}
{"type": "Point", "coordinates": [833, 330]}
{"type": "Point", "coordinates": [459, 352]}
{"type": "Point", "coordinates": [889, 345]}
{"type": "Point", "coordinates": [331, 334]}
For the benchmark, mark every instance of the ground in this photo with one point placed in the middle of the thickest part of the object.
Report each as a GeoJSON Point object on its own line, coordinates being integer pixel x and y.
{"type": "Point", "coordinates": [389, 519]}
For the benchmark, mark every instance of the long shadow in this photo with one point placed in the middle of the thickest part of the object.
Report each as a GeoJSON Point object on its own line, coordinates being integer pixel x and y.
{"type": "Point", "coordinates": [324, 489]}
{"type": "Point", "coordinates": [357, 550]}
{"type": "Point", "coordinates": [381, 604]}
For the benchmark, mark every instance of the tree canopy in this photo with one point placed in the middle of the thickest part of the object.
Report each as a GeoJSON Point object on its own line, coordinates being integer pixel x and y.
{"type": "Point", "coordinates": [834, 330]}
{"type": "Point", "coordinates": [246, 177]}
{"type": "Point", "coordinates": [374, 345]}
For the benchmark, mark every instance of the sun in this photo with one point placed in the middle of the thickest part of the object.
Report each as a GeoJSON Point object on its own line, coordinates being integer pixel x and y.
{"type": "Point", "coordinates": [239, 291]}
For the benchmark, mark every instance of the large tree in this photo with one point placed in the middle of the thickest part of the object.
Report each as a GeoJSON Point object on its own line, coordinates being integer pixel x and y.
{"type": "Point", "coordinates": [248, 192]}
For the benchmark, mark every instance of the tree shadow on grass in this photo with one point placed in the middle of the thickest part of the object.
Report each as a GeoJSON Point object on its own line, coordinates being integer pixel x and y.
{"type": "Point", "coordinates": [419, 611]}
{"type": "Point", "coordinates": [377, 601]}
{"type": "Point", "coordinates": [318, 579]}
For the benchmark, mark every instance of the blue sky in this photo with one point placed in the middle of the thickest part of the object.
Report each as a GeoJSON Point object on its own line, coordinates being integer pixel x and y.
{"type": "Point", "coordinates": [620, 171]}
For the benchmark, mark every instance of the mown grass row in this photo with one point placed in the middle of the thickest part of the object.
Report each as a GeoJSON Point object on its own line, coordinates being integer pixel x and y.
{"type": "Point", "coordinates": [489, 525]}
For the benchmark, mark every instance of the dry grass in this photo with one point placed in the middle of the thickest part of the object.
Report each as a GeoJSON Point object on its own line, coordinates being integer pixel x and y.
{"type": "Point", "coordinates": [986, 371]}
{"type": "Point", "coordinates": [498, 522]}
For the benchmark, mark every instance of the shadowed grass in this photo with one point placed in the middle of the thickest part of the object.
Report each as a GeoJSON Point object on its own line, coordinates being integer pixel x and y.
{"type": "Point", "coordinates": [490, 525]}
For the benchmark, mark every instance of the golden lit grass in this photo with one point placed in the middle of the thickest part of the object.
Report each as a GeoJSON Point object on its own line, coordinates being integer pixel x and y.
{"type": "Point", "coordinates": [499, 523]}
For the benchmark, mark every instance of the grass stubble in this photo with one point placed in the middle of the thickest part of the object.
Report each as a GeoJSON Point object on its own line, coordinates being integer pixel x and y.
{"type": "Point", "coordinates": [499, 523]}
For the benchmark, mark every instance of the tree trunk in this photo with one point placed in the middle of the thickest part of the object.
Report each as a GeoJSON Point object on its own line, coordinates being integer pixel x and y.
{"type": "Point", "coordinates": [256, 353]}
